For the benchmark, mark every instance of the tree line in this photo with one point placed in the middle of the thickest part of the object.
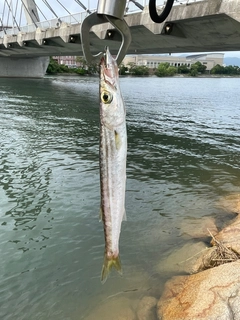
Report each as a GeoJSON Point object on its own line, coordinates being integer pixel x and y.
{"type": "Point", "coordinates": [164, 69]}
{"type": "Point", "coordinates": [83, 67]}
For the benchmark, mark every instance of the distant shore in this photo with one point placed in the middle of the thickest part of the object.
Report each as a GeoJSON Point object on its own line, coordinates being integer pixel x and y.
{"type": "Point", "coordinates": [150, 75]}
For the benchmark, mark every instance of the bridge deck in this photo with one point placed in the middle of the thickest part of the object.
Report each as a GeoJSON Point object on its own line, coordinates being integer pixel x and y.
{"type": "Point", "coordinates": [211, 25]}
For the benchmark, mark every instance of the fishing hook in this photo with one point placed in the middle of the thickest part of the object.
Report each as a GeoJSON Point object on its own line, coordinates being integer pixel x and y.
{"type": "Point", "coordinates": [163, 15]}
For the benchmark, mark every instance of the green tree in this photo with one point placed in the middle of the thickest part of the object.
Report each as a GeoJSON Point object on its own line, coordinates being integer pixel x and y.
{"type": "Point", "coordinates": [183, 69]}
{"type": "Point", "coordinates": [138, 70]}
{"type": "Point", "coordinates": [122, 69]}
{"type": "Point", "coordinates": [53, 66]}
{"type": "Point", "coordinates": [82, 62]}
{"type": "Point", "coordinates": [165, 70]}
{"type": "Point", "coordinates": [199, 67]}
{"type": "Point", "coordinates": [217, 69]}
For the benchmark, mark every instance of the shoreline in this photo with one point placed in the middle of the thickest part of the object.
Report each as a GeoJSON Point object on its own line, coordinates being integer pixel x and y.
{"type": "Point", "coordinates": [146, 76]}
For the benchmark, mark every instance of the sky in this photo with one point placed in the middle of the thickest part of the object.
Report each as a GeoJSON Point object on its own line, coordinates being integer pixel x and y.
{"type": "Point", "coordinates": [226, 53]}
{"type": "Point", "coordinates": [74, 7]}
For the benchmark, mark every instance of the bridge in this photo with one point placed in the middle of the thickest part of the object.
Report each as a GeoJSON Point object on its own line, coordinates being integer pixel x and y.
{"type": "Point", "coordinates": [192, 26]}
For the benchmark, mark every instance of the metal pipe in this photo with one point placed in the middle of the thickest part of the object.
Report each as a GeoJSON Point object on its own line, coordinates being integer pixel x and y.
{"type": "Point", "coordinates": [114, 8]}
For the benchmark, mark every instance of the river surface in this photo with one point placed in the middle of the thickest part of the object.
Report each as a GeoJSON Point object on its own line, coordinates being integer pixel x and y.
{"type": "Point", "coordinates": [183, 157]}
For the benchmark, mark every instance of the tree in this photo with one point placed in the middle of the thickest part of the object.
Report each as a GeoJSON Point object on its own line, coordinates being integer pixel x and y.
{"type": "Point", "coordinates": [138, 70]}
{"type": "Point", "coordinates": [89, 68]}
{"type": "Point", "coordinates": [165, 70]}
{"type": "Point", "coordinates": [198, 67]}
{"type": "Point", "coordinates": [230, 70]}
{"type": "Point", "coordinates": [122, 69]}
{"type": "Point", "coordinates": [183, 69]}
{"type": "Point", "coordinates": [53, 66]}
{"type": "Point", "coordinates": [217, 69]}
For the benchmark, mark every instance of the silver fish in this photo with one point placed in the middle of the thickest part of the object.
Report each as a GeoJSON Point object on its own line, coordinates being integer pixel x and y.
{"type": "Point", "coordinates": [113, 153]}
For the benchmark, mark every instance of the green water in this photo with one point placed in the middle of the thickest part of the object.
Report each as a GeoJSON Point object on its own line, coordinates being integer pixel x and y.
{"type": "Point", "coordinates": [183, 156]}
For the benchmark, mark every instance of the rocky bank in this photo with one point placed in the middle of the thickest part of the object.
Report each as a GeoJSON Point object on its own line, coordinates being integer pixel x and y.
{"type": "Point", "coordinates": [213, 292]}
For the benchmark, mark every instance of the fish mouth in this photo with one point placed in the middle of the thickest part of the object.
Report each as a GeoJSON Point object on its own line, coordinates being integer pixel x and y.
{"type": "Point", "coordinates": [107, 57]}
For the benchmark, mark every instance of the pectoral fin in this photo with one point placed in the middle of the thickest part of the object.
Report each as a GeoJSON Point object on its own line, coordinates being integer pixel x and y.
{"type": "Point", "coordinates": [118, 141]}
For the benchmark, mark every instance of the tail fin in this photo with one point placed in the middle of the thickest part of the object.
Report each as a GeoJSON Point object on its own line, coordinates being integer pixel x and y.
{"type": "Point", "coordinates": [107, 266]}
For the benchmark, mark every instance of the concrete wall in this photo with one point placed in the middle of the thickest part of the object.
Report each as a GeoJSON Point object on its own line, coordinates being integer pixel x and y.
{"type": "Point", "coordinates": [23, 67]}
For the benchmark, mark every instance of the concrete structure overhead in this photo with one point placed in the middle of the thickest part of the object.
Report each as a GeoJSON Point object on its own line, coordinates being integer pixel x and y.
{"type": "Point", "coordinates": [201, 26]}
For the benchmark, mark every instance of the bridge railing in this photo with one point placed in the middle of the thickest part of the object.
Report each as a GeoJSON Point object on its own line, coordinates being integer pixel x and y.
{"type": "Point", "coordinates": [79, 17]}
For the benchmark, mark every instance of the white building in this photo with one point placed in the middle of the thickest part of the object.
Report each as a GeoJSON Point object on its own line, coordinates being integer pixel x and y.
{"type": "Point", "coordinates": [152, 61]}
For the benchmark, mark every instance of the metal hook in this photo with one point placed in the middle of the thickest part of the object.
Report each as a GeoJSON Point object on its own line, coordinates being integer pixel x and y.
{"type": "Point", "coordinates": [95, 19]}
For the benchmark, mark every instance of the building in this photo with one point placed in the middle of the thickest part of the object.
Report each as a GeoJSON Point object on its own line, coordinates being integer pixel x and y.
{"type": "Point", "coordinates": [152, 61]}
{"type": "Point", "coordinates": [69, 61]}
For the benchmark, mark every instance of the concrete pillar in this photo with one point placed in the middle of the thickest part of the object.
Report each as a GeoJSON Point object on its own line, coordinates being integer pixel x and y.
{"type": "Point", "coordinates": [34, 67]}
{"type": "Point", "coordinates": [31, 12]}
{"type": "Point", "coordinates": [23, 67]}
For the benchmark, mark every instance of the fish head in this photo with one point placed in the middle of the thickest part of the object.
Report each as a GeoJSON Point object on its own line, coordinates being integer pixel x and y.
{"type": "Point", "coordinates": [112, 109]}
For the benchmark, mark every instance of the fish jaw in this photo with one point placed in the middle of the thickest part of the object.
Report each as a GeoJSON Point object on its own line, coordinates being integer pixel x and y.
{"type": "Point", "coordinates": [112, 114]}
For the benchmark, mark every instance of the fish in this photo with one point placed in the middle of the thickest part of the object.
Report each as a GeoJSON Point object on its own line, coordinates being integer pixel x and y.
{"type": "Point", "coordinates": [112, 161]}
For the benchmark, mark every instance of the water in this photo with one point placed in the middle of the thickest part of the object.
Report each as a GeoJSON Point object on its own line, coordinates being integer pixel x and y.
{"type": "Point", "coordinates": [183, 156]}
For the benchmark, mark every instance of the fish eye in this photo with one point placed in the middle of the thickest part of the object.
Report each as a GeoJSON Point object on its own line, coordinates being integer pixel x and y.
{"type": "Point", "coordinates": [106, 97]}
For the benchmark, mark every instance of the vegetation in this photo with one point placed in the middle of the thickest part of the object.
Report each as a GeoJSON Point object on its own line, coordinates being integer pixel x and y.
{"type": "Point", "coordinates": [122, 69]}
{"type": "Point", "coordinates": [137, 70]}
{"type": "Point", "coordinates": [84, 68]}
{"type": "Point", "coordinates": [165, 70]}
{"type": "Point", "coordinates": [228, 70]}
{"type": "Point", "coordinates": [194, 70]}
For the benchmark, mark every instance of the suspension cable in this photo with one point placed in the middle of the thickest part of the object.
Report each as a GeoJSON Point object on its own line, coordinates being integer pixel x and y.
{"type": "Point", "coordinates": [137, 4]}
{"type": "Point", "coordinates": [3, 29]}
{"type": "Point", "coordinates": [83, 6]}
{"type": "Point", "coordinates": [13, 18]}
{"type": "Point", "coordinates": [29, 13]}
{"type": "Point", "coordinates": [3, 14]}
{"type": "Point", "coordinates": [67, 10]}
{"type": "Point", "coordinates": [40, 11]}
{"type": "Point", "coordinates": [20, 18]}
{"type": "Point", "coordinates": [50, 8]}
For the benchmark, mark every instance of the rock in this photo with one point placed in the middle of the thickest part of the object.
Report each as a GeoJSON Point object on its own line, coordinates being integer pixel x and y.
{"type": "Point", "coordinates": [230, 203]}
{"type": "Point", "coordinates": [117, 309]}
{"type": "Point", "coordinates": [198, 228]}
{"type": "Point", "coordinates": [183, 259]}
{"type": "Point", "coordinates": [230, 236]}
{"type": "Point", "coordinates": [147, 309]}
{"type": "Point", "coordinates": [212, 294]}
{"type": "Point", "coordinates": [204, 261]}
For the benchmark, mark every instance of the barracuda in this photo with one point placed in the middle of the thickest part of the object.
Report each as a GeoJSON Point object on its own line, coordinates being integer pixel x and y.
{"type": "Point", "coordinates": [113, 152]}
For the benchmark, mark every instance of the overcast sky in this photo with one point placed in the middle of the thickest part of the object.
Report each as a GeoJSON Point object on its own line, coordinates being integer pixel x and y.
{"type": "Point", "coordinates": [73, 7]}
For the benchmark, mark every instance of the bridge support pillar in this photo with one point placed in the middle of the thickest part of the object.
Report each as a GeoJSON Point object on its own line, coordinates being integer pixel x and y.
{"type": "Point", "coordinates": [23, 67]}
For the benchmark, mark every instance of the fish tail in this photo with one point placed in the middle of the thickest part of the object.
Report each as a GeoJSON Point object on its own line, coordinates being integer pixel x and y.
{"type": "Point", "coordinates": [107, 266]}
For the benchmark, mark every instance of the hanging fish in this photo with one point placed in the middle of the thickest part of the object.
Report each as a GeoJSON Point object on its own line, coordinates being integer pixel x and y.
{"type": "Point", "coordinates": [113, 154]}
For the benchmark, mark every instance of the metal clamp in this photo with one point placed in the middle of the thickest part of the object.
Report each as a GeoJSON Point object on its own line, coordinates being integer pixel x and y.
{"type": "Point", "coordinates": [113, 8]}
{"type": "Point", "coordinates": [108, 11]}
